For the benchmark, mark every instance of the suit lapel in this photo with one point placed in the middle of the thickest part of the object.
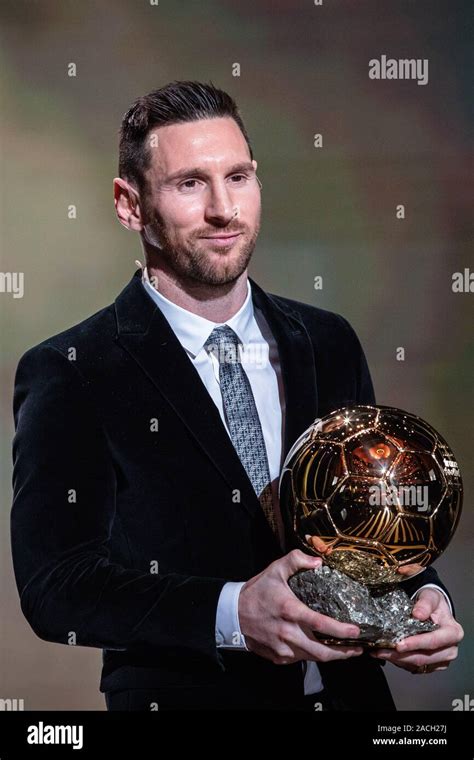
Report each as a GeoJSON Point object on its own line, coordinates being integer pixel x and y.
{"type": "Point", "coordinates": [146, 335]}
{"type": "Point", "coordinates": [297, 364]}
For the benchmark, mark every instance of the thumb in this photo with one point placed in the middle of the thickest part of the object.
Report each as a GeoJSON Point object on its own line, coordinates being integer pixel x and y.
{"type": "Point", "coordinates": [298, 560]}
{"type": "Point", "coordinates": [426, 603]}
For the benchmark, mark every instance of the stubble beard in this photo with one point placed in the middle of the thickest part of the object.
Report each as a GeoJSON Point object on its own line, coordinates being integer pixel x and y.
{"type": "Point", "coordinates": [193, 264]}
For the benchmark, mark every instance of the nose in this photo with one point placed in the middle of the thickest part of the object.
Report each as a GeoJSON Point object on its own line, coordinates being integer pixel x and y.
{"type": "Point", "coordinates": [219, 209]}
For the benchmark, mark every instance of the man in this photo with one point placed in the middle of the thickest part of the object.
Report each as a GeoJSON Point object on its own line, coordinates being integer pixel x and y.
{"type": "Point", "coordinates": [149, 441]}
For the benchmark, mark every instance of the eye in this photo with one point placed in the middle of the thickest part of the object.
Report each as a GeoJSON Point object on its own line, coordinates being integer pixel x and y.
{"type": "Point", "coordinates": [187, 185]}
{"type": "Point", "coordinates": [239, 179]}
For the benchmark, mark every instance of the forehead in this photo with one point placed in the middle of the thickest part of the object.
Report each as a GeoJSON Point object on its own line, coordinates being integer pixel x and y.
{"type": "Point", "coordinates": [208, 143]}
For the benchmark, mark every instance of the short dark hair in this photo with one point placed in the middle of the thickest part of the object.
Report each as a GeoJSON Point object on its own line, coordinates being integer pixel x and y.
{"type": "Point", "coordinates": [177, 102]}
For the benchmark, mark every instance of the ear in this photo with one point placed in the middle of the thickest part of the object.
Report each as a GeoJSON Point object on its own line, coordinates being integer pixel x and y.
{"type": "Point", "coordinates": [254, 164]}
{"type": "Point", "coordinates": [127, 205]}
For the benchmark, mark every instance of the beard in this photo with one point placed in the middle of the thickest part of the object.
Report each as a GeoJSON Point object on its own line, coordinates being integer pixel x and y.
{"type": "Point", "coordinates": [192, 261]}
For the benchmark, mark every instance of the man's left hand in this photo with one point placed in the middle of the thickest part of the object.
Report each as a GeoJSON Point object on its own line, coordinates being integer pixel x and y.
{"type": "Point", "coordinates": [427, 652]}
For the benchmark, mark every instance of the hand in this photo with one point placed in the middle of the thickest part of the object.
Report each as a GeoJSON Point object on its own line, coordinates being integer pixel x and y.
{"type": "Point", "coordinates": [427, 652]}
{"type": "Point", "coordinates": [278, 627]}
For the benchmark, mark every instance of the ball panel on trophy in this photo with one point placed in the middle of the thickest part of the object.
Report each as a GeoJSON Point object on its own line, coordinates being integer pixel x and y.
{"type": "Point", "coordinates": [337, 427]}
{"type": "Point", "coordinates": [406, 428]}
{"type": "Point", "coordinates": [375, 490]}
{"type": "Point", "coordinates": [377, 493]}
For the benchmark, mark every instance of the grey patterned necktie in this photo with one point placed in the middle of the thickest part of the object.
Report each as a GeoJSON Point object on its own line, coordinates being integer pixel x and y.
{"type": "Point", "coordinates": [242, 416]}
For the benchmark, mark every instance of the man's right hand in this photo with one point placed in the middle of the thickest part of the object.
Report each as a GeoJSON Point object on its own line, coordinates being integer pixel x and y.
{"type": "Point", "coordinates": [278, 627]}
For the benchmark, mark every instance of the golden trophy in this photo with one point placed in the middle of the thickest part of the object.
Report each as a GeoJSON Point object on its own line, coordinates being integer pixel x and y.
{"type": "Point", "coordinates": [376, 492]}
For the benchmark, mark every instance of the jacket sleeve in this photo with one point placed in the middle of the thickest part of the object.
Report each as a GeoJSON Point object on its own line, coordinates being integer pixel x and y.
{"type": "Point", "coordinates": [64, 491]}
{"type": "Point", "coordinates": [366, 395]}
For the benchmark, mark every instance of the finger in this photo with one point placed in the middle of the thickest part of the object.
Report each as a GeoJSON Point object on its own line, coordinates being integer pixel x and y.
{"type": "Point", "coordinates": [298, 560]}
{"type": "Point", "coordinates": [286, 654]}
{"type": "Point", "coordinates": [415, 659]}
{"type": "Point", "coordinates": [327, 653]}
{"type": "Point", "coordinates": [318, 544]}
{"type": "Point", "coordinates": [410, 570]}
{"type": "Point", "coordinates": [311, 649]}
{"type": "Point", "coordinates": [333, 642]}
{"type": "Point", "coordinates": [441, 666]}
{"type": "Point", "coordinates": [300, 648]}
{"type": "Point", "coordinates": [431, 668]}
{"type": "Point", "coordinates": [444, 636]}
{"type": "Point", "coordinates": [426, 604]}
{"type": "Point", "coordinates": [315, 621]}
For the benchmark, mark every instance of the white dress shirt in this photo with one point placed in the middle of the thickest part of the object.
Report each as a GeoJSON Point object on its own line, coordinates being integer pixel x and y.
{"type": "Point", "coordinates": [259, 358]}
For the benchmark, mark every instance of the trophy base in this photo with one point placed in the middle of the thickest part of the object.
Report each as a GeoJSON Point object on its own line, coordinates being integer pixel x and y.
{"type": "Point", "coordinates": [383, 614]}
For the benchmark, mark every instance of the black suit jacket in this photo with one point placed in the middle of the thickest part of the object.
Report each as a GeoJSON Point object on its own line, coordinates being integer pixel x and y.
{"type": "Point", "coordinates": [124, 529]}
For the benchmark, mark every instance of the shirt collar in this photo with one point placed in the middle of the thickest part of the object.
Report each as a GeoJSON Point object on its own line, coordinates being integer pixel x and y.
{"type": "Point", "coordinates": [193, 330]}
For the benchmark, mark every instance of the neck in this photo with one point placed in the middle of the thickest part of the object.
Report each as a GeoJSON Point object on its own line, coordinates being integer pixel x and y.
{"type": "Point", "coordinates": [218, 303]}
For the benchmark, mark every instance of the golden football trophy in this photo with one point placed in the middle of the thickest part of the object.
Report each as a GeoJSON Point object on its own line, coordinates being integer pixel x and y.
{"type": "Point", "coordinates": [376, 492]}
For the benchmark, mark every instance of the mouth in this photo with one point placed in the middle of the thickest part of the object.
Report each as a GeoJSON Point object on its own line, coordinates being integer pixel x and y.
{"type": "Point", "coordinates": [224, 239]}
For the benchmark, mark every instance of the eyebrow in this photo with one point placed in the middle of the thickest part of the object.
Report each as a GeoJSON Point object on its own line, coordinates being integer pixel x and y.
{"type": "Point", "coordinates": [196, 171]}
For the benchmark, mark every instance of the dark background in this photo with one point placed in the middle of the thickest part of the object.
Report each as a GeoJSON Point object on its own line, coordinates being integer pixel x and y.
{"type": "Point", "coordinates": [328, 212]}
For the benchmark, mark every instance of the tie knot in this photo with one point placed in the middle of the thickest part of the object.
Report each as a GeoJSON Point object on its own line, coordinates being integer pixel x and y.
{"type": "Point", "coordinates": [224, 343]}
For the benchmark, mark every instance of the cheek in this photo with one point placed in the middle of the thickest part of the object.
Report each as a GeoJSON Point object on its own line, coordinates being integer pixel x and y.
{"type": "Point", "coordinates": [252, 210]}
{"type": "Point", "coordinates": [252, 218]}
{"type": "Point", "coordinates": [183, 218]}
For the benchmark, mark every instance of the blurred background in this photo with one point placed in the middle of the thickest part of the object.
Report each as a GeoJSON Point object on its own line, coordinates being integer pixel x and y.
{"type": "Point", "coordinates": [327, 212]}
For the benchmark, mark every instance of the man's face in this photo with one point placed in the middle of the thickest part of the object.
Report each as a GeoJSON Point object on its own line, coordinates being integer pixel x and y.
{"type": "Point", "coordinates": [202, 210]}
